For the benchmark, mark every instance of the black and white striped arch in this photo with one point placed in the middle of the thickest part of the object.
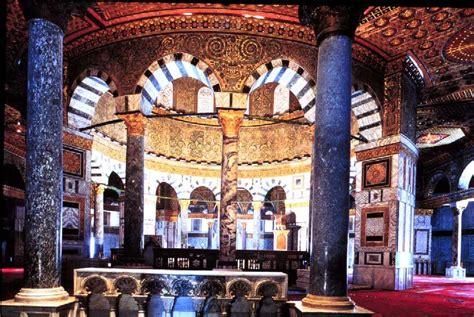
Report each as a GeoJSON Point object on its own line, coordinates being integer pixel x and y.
{"type": "Point", "coordinates": [165, 70]}
{"type": "Point", "coordinates": [290, 75]}
{"type": "Point", "coordinates": [87, 90]}
{"type": "Point", "coordinates": [367, 113]}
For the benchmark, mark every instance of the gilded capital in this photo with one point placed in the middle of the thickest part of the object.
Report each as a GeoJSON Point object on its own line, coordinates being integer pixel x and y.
{"type": "Point", "coordinates": [331, 20]}
{"type": "Point", "coordinates": [99, 189]}
{"type": "Point", "coordinates": [231, 120]}
{"type": "Point", "coordinates": [135, 122]}
{"type": "Point", "coordinates": [423, 212]}
{"type": "Point", "coordinates": [184, 204]}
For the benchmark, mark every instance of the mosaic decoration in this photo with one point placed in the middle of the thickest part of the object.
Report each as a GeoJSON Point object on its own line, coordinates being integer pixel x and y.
{"type": "Point", "coordinates": [374, 226]}
{"type": "Point", "coordinates": [376, 173]}
{"type": "Point", "coordinates": [73, 162]}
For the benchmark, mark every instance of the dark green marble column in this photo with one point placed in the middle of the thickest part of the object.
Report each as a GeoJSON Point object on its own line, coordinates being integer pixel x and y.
{"type": "Point", "coordinates": [334, 27]}
{"type": "Point", "coordinates": [134, 185]}
{"type": "Point", "coordinates": [44, 162]}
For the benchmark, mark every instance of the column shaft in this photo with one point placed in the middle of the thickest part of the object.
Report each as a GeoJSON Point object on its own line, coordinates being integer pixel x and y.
{"type": "Point", "coordinates": [456, 237]}
{"type": "Point", "coordinates": [134, 185]}
{"type": "Point", "coordinates": [44, 156]}
{"type": "Point", "coordinates": [330, 179]}
{"type": "Point", "coordinates": [99, 221]}
{"type": "Point", "coordinates": [230, 120]}
{"type": "Point", "coordinates": [257, 208]}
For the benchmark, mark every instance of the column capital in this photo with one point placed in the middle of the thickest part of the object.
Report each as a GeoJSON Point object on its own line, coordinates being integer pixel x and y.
{"type": "Point", "coordinates": [331, 20]}
{"type": "Point", "coordinates": [56, 12]}
{"type": "Point", "coordinates": [257, 206]}
{"type": "Point", "coordinates": [423, 212]}
{"type": "Point", "coordinates": [135, 122]}
{"type": "Point", "coordinates": [184, 204]}
{"type": "Point", "coordinates": [457, 211]}
{"type": "Point", "coordinates": [99, 189]}
{"type": "Point", "coordinates": [230, 120]}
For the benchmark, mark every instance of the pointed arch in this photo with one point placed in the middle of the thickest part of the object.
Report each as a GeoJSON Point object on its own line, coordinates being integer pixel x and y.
{"type": "Point", "coordinates": [165, 70]}
{"type": "Point", "coordinates": [290, 75]}
{"type": "Point", "coordinates": [166, 198]}
{"type": "Point", "coordinates": [87, 90]}
{"type": "Point", "coordinates": [467, 175]}
{"type": "Point", "coordinates": [367, 111]}
{"type": "Point", "coordinates": [203, 200]}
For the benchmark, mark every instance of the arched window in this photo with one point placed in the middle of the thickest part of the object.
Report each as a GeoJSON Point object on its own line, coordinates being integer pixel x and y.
{"type": "Point", "coordinates": [442, 187]}
{"type": "Point", "coordinates": [115, 181]}
{"type": "Point", "coordinates": [203, 200]}
{"type": "Point", "coordinates": [12, 177]}
{"type": "Point", "coordinates": [166, 199]}
{"type": "Point", "coordinates": [244, 201]}
{"type": "Point", "coordinates": [205, 100]}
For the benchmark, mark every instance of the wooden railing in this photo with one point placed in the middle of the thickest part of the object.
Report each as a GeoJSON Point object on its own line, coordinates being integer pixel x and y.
{"type": "Point", "coordinates": [247, 260]}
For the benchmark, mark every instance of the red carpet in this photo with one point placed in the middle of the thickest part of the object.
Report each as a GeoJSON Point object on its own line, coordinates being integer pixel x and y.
{"type": "Point", "coordinates": [431, 296]}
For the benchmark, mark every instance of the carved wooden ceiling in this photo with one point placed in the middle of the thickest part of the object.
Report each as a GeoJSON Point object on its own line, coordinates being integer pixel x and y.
{"type": "Point", "coordinates": [440, 38]}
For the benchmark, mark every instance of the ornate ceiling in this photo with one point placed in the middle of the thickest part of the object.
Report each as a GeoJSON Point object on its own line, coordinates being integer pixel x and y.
{"type": "Point", "coordinates": [440, 39]}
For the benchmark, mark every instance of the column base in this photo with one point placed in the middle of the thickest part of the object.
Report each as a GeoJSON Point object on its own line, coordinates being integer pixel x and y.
{"type": "Point", "coordinates": [331, 302]}
{"type": "Point", "coordinates": [456, 272]}
{"type": "Point", "coordinates": [45, 307]}
{"type": "Point", "coordinates": [304, 311]}
{"type": "Point", "coordinates": [35, 295]}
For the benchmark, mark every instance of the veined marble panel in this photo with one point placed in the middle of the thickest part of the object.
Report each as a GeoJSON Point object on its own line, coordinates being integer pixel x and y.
{"type": "Point", "coordinates": [139, 280]}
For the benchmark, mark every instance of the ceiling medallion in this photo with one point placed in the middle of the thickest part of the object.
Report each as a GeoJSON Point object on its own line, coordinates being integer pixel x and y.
{"type": "Point", "coordinates": [381, 22]}
{"type": "Point", "coordinates": [420, 34]}
{"type": "Point", "coordinates": [440, 16]}
{"type": "Point", "coordinates": [436, 63]}
{"type": "Point", "coordinates": [426, 45]}
{"type": "Point", "coordinates": [406, 14]}
{"type": "Point", "coordinates": [460, 47]}
{"type": "Point", "coordinates": [432, 9]}
{"type": "Point", "coordinates": [396, 41]}
{"type": "Point", "coordinates": [413, 24]}
{"type": "Point", "coordinates": [431, 54]}
{"type": "Point", "coordinates": [467, 12]}
{"type": "Point", "coordinates": [444, 26]}
{"type": "Point", "coordinates": [389, 32]}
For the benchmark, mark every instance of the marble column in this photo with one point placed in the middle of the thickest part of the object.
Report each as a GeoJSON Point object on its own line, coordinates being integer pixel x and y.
{"type": "Point", "coordinates": [134, 184]}
{"type": "Point", "coordinates": [257, 209]}
{"type": "Point", "coordinates": [44, 163]}
{"type": "Point", "coordinates": [99, 220]}
{"type": "Point", "coordinates": [230, 120]}
{"type": "Point", "coordinates": [456, 270]}
{"type": "Point", "coordinates": [210, 225]}
{"type": "Point", "coordinates": [184, 205]}
{"type": "Point", "coordinates": [244, 235]}
{"type": "Point", "coordinates": [334, 27]}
